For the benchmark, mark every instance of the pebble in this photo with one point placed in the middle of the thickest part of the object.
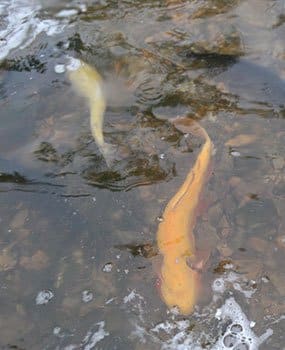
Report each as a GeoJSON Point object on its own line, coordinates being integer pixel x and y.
{"type": "Point", "coordinates": [241, 140]}
{"type": "Point", "coordinates": [281, 241]}
{"type": "Point", "coordinates": [258, 244]}
{"type": "Point", "coordinates": [278, 163]}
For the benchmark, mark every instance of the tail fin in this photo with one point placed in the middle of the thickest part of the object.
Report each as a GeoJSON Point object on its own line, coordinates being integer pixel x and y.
{"type": "Point", "coordinates": [109, 153]}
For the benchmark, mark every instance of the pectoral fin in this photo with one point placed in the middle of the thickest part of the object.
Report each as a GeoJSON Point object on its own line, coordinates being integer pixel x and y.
{"type": "Point", "coordinates": [199, 261]}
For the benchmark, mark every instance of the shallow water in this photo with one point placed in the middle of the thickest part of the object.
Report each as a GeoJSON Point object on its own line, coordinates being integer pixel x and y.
{"type": "Point", "coordinates": [78, 237]}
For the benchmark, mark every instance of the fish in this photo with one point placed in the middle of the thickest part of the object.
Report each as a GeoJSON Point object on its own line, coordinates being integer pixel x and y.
{"type": "Point", "coordinates": [179, 281]}
{"type": "Point", "coordinates": [88, 83]}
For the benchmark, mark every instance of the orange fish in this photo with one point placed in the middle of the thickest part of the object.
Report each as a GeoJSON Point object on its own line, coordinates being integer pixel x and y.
{"type": "Point", "coordinates": [179, 282]}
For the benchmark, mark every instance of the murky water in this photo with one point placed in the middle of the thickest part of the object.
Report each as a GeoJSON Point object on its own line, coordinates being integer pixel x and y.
{"type": "Point", "coordinates": [77, 260]}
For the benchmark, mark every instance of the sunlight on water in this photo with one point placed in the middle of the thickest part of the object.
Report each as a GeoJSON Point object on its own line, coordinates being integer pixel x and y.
{"type": "Point", "coordinates": [77, 236]}
{"type": "Point", "coordinates": [236, 330]}
{"type": "Point", "coordinates": [22, 23]}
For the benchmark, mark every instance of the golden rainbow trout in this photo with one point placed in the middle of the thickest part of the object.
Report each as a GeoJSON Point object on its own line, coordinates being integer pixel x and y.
{"type": "Point", "coordinates": [88, 83]}
{"type": "Point", "coordinates": [179, 282]}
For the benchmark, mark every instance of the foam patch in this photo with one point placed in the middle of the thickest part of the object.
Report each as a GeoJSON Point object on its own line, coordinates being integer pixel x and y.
{"type": "Point", "coordinates": [228, 323]}
{"type": "Point", "coordinates": [239, 334]}
{"type": "Point", "coordinates": [20, 23]}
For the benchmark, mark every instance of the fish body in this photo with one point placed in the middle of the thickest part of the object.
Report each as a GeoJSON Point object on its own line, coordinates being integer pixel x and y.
{"type": "Point", "coordinates": [88, 83]}
{"type": "Point", "coordinates": [179, 282]}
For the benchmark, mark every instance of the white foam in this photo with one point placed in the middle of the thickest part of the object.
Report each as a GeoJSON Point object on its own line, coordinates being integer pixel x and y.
{"type": "Point", "coordinates": [73, 64]}
{"type": "Point", "coordinates": [239, 333]}
{"type": "Point", "coordinates": [92, 338]}
{"type": "Point", "coordinates": [132, 296]}
{"type": "Point", "coordinates": [59, 68]}
{"type": "Point", "coordinates": [87, 296]}
{"type": "Point", "coordinates": [179, 337]}
{"type": "Point", "coordinates": [232, 280]}
{"type": "Point", "coordinates": [236, 330]}
{"type": "Point", "coordinates": [21, 24]}
{"type": "Point", "coordinates": [44, 296]}
{"type": "Point", "coordinates": [67, 13]}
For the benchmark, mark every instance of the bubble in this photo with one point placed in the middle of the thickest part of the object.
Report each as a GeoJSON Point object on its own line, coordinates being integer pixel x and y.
{"type": "Point", "coordinates": [86, 296]}
{"type": "Point", "coordinates": [218, 285]}
{"type": "Point", "coordinates": [59, 68]}
{"type": "Point", "coordinates": [235, 153]}
{"type": "Point", "coordinates": [56, 330]}
{"type": "Point", "coordinates": [73, 64]}
{"type": "Point", "coordinates": [44, 297]}
{"type": "Point", "coordinates": [236, 328]}
{"type": "Point", "coordinates": [229, 340]}
{"type": "Point", "coordinates": [107, 267]}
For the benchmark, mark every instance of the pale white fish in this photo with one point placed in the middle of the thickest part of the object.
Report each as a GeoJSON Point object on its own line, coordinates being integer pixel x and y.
{"type": "Point", "coordinates": [88, 83]}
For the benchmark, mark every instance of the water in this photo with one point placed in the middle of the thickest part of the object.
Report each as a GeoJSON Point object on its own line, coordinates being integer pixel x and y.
{"type": "Point", "coordinates": [77, 239]}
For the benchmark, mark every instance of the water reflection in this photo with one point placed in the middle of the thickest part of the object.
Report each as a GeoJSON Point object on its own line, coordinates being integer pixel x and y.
{"type": "Point", "coordinates": [72, 227]}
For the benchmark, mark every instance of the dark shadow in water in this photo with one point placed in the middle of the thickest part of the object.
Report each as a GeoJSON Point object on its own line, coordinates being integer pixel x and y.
{"type": "Point", "coordinates": [3, 92]}
{"type": "Point", "coordinates": [14, 180]}
{"type": "Point", "coordinates": [213, 61]}
{"type": "Point", "coordinates": [75, 43]}
{"type": "Point", "coordinates": [255, 84]}
{"type": "Point", "coordinates": [14, 177]}
{"type": "Point", "coordinates": [137, 161]}
{"type": "Point", "coordinates": [280, 21]}
{"type": "Point", "coordinates": [146, 250]}
{"type": "Point", "coordinates": [128, 173]}
{"type": "Point", "coordinates": [28, 63]}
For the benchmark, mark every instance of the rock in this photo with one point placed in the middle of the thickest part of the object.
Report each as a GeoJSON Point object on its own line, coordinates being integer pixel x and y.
{"type": "Point", "coordinates": [257, 215]}
{"type": "Point", "coordinates": [38, 261]}
{"type": "Point", "coordinates": [235, 181]}
{"type": "Point", "coordinates": [7, 260]}
{"type": "Point", "coordinates": [279, 188]}
{"type": "Point", "coordinates": [241, 140]}
{"type": "Point", "coordinates": [251, 268]}
{"type": "Point", "coordinates": [223, 266]}
{"type": "Point", "coordinates": [215, 214]}
{"type": "Point", "coordinates": [281, 241]}
{"type": "Point", "coordinates": [46, 152]}
{"type": "Point", "coordinates": [15, 326]}
{"type": "Point", "coordinates": [71, 303]}
{"type": "Point", "coordinates": [278, 280]}
{"type": "Point", "coordinates": [278, 163]}
{"type": "Point", "coordinates": [258, 244]}
{"type": "Point", "coordinates": [224, 227]}
{"type": "Point", "coordinates": [19, 220]}
{"type": "Point", "coordinates": [224, 250]}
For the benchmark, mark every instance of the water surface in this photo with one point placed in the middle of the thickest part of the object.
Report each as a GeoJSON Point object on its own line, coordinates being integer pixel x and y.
{"type": "Point", "coordinates": [77, 236]}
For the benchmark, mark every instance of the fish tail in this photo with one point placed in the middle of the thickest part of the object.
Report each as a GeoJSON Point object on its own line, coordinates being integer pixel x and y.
{"type": "Point", "coordinates": [109, 153]}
